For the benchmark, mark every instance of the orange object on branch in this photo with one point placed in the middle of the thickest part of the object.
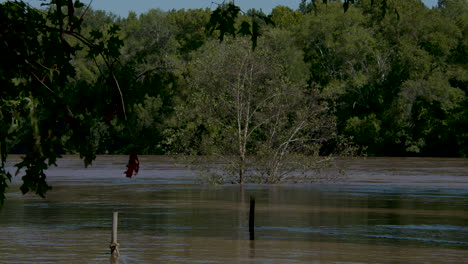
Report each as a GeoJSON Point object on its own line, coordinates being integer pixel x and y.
{"type": "Point", "coordinates": [133, 164]}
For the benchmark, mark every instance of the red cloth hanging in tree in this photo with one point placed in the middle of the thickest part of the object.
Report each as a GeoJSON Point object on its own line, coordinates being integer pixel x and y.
{"type": "Point", "coordinates": [133, 164]}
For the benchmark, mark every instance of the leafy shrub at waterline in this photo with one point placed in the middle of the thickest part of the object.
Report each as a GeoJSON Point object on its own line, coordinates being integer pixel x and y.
{"type": "Point", "coordinates": [294, 169]}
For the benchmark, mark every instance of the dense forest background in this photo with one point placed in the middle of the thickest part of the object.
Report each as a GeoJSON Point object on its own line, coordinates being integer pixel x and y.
{"type": "Point", "coordinates": [395, 84]}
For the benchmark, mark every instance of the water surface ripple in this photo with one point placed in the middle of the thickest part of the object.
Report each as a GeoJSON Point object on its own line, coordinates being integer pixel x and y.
{"type": "Point", "coordinates": [389, 210]}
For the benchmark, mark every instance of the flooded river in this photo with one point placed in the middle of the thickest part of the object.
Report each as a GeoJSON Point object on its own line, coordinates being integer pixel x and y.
{"type": "Point", "coordinates": [389, 210]}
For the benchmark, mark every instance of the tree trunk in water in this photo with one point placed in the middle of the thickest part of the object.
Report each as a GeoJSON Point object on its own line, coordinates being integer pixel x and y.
{"type": "Point", "coordinates": [241, 167]}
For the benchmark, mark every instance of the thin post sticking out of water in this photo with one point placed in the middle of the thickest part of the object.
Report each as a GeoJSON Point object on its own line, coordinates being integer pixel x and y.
{"type": "Point", "coordinates": [252, 218]}
{"type": "Point", "coordinates": [114, 246]}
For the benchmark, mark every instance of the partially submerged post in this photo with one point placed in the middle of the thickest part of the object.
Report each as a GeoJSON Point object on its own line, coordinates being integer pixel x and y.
{"type": "Point", "coordinates": [252, 218]}
{"type": "Point", "coordinates": [114, 246]}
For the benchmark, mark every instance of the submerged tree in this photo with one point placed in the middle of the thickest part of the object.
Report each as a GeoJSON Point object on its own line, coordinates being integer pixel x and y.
{"type": "Point", "coordinates": [244, 107]}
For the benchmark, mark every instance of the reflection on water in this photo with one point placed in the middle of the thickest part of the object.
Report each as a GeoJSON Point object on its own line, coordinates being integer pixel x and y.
{"type": "Point", "coordinates": [390, 211]}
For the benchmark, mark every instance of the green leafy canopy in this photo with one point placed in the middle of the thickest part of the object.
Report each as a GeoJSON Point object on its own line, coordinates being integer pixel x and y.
{"type": "Point", "coordinates": [37, 109]}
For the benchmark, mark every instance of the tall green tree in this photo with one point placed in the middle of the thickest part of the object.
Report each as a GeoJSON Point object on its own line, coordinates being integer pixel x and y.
{"type": "Point", "coordinates": [38, 111]}
{"type": "Point", "coordinates": [243, 103]}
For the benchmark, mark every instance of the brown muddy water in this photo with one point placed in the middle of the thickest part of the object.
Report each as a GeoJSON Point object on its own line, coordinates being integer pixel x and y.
{"type": "Point", "coordinates": [389, 210]}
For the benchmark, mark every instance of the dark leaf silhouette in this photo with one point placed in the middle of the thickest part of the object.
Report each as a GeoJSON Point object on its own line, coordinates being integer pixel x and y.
{"type": "Point", "coordinates": [346, 6]}
{"type": "Point", "coordinates": [255, 34]}
{"type": "Point", "coordinates": [267, 19]}
{"type": "Point", "coordinates": [96, 34]}
{"type": "Point", "coordinates": [223, 19]}
{"type": "Point", "coordinates": [245, 29]}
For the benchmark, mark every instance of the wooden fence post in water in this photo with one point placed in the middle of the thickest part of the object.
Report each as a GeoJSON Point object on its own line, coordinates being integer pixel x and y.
{"type": "Point", "coordinates": [252, 218]}
{"type": "Point", "coordinates": [114, 246]}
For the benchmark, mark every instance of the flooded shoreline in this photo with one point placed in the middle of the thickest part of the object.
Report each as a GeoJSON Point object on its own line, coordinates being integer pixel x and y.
{"type": "Point", "coordinates": [435, 172]}
{"type": "Point", "coordinates": [390, 211]}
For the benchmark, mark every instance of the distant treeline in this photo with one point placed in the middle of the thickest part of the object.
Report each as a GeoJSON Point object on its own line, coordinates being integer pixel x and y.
{"type": "Point", "coordinates": [390, 83]}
